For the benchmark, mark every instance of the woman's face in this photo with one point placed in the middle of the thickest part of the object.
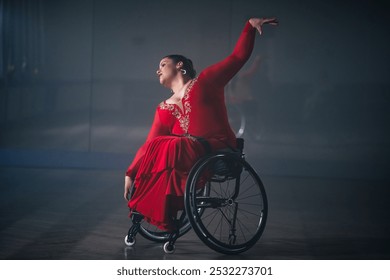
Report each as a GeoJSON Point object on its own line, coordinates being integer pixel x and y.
{"type": "Point", "coordinates": [166, 71]}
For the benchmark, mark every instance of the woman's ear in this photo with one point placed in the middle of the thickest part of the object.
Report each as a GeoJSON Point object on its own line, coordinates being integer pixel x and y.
{"type": "Point", "coordinates": [179, 65]}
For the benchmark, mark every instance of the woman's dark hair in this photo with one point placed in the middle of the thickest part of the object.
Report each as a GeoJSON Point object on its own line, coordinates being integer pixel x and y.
{"type": "Point", "coordinates": [187, 64]}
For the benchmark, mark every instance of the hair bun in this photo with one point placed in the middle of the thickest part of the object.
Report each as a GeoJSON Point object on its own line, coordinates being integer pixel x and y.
{"type": "Point", "coordinates": [187, 64]}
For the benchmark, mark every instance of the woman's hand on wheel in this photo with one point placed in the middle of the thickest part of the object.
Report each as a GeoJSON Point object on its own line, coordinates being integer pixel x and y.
{"type": "Point", "coordinates": [259, 22]}
{"type": "Point", "coordinates": [128, 183]}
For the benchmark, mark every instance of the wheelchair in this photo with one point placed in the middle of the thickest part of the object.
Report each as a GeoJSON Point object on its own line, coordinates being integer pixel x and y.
{"type": "Point", "coordinates": [225, 204]}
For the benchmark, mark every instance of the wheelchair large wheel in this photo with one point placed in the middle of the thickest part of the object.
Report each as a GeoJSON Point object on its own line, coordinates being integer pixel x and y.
{"type": "Point", "coordinates": [231, 217]}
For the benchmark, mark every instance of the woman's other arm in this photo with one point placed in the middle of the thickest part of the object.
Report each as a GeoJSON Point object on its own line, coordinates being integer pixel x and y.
{"type": "Point", "coordinates": [157, 129]}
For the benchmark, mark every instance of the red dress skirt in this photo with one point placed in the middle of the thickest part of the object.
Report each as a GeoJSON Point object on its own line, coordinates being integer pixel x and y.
{"type": "Point", "coordinates": [161, 178]}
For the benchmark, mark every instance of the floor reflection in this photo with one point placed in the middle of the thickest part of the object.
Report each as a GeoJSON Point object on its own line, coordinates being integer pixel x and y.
{"type": "Point", "coordinates": [80, 214]}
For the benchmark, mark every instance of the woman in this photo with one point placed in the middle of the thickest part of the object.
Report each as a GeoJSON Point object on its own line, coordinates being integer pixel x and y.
{"type": "Point", "coordinates": [191, 123]}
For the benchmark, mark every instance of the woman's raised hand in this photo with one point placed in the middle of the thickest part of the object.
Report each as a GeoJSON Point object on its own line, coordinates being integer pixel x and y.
{"type": "Point", "coordinates": [259, 22]}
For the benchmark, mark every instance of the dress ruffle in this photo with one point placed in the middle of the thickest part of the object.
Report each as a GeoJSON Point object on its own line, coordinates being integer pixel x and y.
{"type": "Point", "coordinates": [161, 178]}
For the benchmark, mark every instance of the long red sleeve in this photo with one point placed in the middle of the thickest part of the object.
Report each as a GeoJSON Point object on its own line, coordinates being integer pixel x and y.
{"type": "Point", "coordinates": [157, 129]}
{"type": "Point", "coordinates": [222, 72]}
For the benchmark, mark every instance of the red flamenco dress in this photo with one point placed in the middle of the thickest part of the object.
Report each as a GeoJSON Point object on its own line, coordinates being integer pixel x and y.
{"type": "Point", "coordinates": [161, 166]}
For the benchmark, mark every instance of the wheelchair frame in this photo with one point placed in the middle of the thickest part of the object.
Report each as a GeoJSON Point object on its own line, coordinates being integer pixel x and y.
{"type": "Point", "coordinates": [221, 185]}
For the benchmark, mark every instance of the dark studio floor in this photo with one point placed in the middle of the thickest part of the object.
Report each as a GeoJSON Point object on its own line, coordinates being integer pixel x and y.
{"type": "Point", "coordinates": [49, 213]}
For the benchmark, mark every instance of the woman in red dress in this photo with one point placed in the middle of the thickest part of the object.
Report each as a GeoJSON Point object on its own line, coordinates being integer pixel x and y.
{"type": "Point", "coordinates": [192, 122]}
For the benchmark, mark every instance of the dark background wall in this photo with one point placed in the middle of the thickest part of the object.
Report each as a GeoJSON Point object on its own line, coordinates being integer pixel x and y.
{"type": "Point", "coordinates": [78, 85]}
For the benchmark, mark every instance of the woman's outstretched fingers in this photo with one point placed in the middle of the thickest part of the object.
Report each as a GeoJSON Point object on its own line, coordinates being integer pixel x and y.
{"type": "Point", "coordinates": [258, 23]}
{"type": "Point", "coordinates": [272, 21]}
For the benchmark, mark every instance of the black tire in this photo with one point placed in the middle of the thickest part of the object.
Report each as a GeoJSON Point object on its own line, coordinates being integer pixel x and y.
{"type": "Point", "coordinates": [231, 218]}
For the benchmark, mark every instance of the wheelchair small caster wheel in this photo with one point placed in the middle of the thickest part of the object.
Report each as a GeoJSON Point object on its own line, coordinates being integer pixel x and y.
{"type": "Point", "coordinates": [129, 241]}
{"type": "Point", "coordinates": [169, 248]}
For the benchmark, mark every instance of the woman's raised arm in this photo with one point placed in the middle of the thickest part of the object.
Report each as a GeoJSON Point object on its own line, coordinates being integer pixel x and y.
{"type": "Point", "coordinates": [222, 72]}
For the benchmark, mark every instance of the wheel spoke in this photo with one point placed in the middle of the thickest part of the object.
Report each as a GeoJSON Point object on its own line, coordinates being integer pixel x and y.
{"type": "Point", "coordinates": [249, 196]}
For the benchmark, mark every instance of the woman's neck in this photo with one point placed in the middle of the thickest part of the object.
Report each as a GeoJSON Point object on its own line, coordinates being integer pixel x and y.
{"type": "Point", "coordinates": [179, 85]}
